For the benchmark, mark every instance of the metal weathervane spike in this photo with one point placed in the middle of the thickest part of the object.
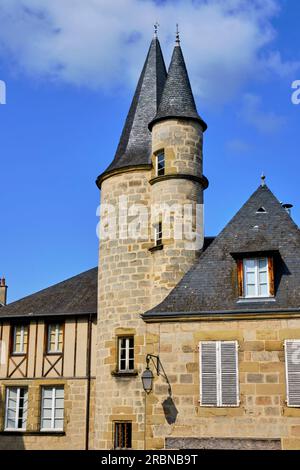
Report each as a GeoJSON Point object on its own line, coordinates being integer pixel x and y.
{"type": "Point", "coordinates": [156, 26]}
{"type": "Point", "coordinates": [177, 34]}
{"type": "Point", "coordinates": [263, 179]}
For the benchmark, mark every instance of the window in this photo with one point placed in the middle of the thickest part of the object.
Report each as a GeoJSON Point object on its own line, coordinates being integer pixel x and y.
{"type": "Point", "coordinates": [52, 413]}
{"type": "Point", "coordinates": [123, 435]}
{"type": "Point", "coordinates": [292, 368]}
{"type": "Point", "coordinates": [16, 408]}
{"type": "Point", "coordinates": [126, 354]}
{"type": "Point", "coordinates": [55, 338]}
{"type": "Point", "coordinates": [20, 339]}
{"type": "Point", "coordinates": [256, 277]}
{"type": "Point", "coordinates": [160, 164]}
{"type": "Point", "coordinates": [219, 373]}
{"type": "Point", "coordinates": [158, 234]}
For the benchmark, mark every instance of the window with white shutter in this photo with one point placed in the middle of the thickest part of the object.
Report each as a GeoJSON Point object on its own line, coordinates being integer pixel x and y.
{"type": "Point", "coordinates": [219, 373]}
{"type": "Point", "coordinates": [292, 368]}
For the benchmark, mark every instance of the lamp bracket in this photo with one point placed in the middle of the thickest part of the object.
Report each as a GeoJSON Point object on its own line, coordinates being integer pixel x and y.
{"type": "Point", "coordinates": [159, 368]}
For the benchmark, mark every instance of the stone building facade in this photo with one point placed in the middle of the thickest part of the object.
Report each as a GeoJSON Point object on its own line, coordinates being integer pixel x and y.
{"type": "Point", "coordinates": [216, 319]}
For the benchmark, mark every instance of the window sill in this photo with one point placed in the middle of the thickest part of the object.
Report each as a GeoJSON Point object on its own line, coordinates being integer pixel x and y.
{"type": "Point", "coordinates": [15, 354]}
{"type": "Point", "coordinates": [31, 433]}
{"type": "Point", "coordinates": [255, 299]}
{"type": "Point", "coordinates": [156, 248]}
{"type": "Point", "coordinates": [52, 353]}
{"type": "Point", "coordinates": [130, 373]}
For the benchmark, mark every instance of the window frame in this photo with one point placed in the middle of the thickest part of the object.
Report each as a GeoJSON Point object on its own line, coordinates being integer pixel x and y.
{"type": "Point", "coordinates": [241, 273]}
{"type": "Point", "coordinates": [160, 171]}
{"type": "Point", "coordinates": [127, 348]}
{"type": "Point", "coordinates": [158, 233]}
{"type": "Point", "coordinates": [48, 338]}
{"type": "Point", "coordinates": [17, 410]}
{"type": "Point", "coordinates": [219, 403]}
{"type": "Point", "coordinates": [24, 328]}
{"type": "Point", "coordinates": [53, 388]}
{"type": "Point", "coordinates": [115, 426]}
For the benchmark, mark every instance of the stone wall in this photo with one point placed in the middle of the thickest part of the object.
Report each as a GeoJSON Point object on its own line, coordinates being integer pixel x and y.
{"type": "Point", "coordinates": [262, 414]}
{"type": "Point", "coordinates": [124, 286]}
{"type": "Point", "coordinates": [74, 434]}
{"type": "Point", "coordinates": [182, 142]}
{"type": "Point", "coordinates": [133, 278]}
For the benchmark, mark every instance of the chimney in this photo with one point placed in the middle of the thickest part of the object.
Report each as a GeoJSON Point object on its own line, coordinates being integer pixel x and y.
{"type": "Point", "coordinates": [3, 292]}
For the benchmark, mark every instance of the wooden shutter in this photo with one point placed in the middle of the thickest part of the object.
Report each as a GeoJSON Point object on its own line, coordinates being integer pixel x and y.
{"type": "Point", "coordinates": [229, 373]}
{"type": "Point", "coordinates": [240, 271]}
{"type": "Point", "coordinates": [208, 373]}
{"type": "Point", "coordinates": [271, 276]}
{"type": "Point", "coordinates": [292, 367]}
{"type": "Point", "coordinates": [219, 373]}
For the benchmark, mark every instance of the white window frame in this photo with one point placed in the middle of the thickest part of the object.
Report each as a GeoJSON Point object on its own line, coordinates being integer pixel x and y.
{"type": "Point", "coordinates": [158, 233]}
{"type": "Point", "coordinates": [159, 154]}
{"type": "Point", "coordinates": [53, 397]}
{"type": "Point", "coordinates": [219, 403]}
{"type": "Point", "coordinates": [296, 341]}
{"type": "Point", "coordinates": [16, 428]}
{"type": "Point", "coordinates": [22, 348]}
{"type": "Point", "coordinates": [127, 353]}
{"type": "Point", "coordinates": [57, 330]}
{"type": "Point", "coordinates": [257, 278]}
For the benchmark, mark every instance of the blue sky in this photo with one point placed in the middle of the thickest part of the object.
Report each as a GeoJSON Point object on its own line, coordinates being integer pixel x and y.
{"type": "Point", "coordinates": [70, 75]}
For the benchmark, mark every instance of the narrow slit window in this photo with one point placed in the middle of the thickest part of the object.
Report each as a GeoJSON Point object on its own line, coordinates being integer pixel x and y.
{"type": "Point", "coordinates": [158, 233]}
{"type": "Point", "coordinates": [126, 354]}
{"type": "Point", "coordinates": [123, 435]}
{"type": "Point", "coordinates": [160, 164]}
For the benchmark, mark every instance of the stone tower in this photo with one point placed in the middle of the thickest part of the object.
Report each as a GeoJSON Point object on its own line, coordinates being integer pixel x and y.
{"type": "Point", "coordinates": [136, 274]}
{"type": "Point", "coordinates": [177, 134]}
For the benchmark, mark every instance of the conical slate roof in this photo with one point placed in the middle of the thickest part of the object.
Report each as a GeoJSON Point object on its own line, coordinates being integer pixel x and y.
{"type": "Point", "coordinates": [135, 143]}
{"type": "Point", "coordinates": [210, 287]}
{"type": "Point", "coordinates": [177, 99]}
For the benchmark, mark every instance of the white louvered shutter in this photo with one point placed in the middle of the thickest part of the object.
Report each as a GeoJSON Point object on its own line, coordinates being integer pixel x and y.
{"type": "Point", "coordinates": [292, 367]}
{"type": "Point", "coordinates": [219, 384]}
{"type": "Point", "coordinates": [208, 373]}
{"type": "Point", "coordinates": [229, 384]}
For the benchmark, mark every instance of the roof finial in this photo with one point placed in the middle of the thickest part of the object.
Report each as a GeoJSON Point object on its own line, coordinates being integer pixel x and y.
{"type": "Point", "coordinates": [177, 35]}
{"type": "Point", "coordinates": [156, 26]}
{"type": "Point", "coordinates": [263, 180]}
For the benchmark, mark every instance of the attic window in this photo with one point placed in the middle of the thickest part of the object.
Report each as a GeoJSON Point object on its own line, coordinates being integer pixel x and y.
{"type": "Point", "coordinates": [261, 210]}
{"type": "Point", "coordinates": [256, 277]}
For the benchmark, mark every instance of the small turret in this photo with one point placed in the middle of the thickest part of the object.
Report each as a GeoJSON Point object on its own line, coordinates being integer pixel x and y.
{"type": "Point", "coordinates": [177, 180]}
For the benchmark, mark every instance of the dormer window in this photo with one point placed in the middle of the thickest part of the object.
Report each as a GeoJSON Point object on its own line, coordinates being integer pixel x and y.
{"type": "Point", "coordinates": [256, 277]}
{"type": "Point", "coordinates": [160, 163]}
{"type": "Point", "coordinates": [261, 210]}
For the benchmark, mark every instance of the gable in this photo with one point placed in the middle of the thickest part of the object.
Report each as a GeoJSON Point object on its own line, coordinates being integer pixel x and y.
{"type": "Point", "coordinates": [211, 285]}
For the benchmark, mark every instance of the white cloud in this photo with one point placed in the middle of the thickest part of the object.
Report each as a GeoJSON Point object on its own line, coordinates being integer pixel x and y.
{"type": "Point", "coordinates": [102, 44]}
{"type": "Point", "coordinates": [237, 146]}
{"type": "Point", "coordinates": [266, 122]}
